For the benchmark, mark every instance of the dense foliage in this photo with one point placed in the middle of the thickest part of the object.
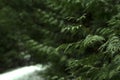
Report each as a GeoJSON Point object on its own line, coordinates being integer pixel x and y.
{"type": "Point", "coordinates": [80, 39]}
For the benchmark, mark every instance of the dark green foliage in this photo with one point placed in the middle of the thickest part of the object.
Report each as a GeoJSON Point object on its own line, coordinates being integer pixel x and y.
{"type": "Point", "coordinates": [80, 39]}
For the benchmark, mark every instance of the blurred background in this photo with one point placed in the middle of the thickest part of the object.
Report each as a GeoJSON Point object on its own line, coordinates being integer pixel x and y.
{"type": "Point", "coordinates": [78, 39]}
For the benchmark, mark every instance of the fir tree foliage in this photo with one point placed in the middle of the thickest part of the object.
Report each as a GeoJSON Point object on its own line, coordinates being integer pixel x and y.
{"type": "Point", "coordinates": [80, 39]}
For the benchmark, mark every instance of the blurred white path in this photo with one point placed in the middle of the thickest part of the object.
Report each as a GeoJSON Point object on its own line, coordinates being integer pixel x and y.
{"type": "Point", "coordinates": [24, 73]}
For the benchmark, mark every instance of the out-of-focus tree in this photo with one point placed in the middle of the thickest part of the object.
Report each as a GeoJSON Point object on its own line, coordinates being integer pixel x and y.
{"type": "Point", "coordinates": [78, 38]}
